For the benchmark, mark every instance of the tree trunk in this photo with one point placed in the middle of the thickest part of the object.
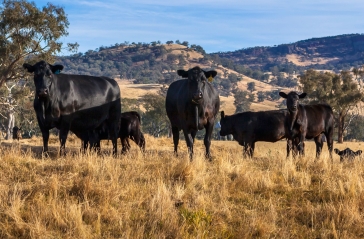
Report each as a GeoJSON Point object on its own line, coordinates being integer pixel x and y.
{"type": "Point", "coordinates": [340, 131]}
{"type": "Point", "coordinates": [11, 124]}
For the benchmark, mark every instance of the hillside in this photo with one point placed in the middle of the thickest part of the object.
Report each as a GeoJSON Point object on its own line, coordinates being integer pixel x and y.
{"type": "Point", "coordinates": [135, 91]}
{"type": "Point", "coordinates": [334, 53]}
{"type": "Point", "coordinates": [145, 67]}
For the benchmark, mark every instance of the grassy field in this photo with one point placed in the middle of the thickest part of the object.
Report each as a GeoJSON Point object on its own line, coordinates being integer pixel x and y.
{"type": "Point", "coordinates": [157, 195]}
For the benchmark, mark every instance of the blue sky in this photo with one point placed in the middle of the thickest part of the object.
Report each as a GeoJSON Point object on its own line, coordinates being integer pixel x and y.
{"type": "Point", "coordinates": [226, 25]}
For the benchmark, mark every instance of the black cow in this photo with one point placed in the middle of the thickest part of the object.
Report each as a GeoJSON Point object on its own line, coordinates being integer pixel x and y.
{"type": "Point", "coordinates": [191, 105]}
{"type": "Point", "coordinates": [311, 121]}
{"type": "Point", "coordinates": [17, 133]}
{"type": "Point", "coordinates": [129, 129]}
{"type": "Point", "coordinates": [78, 103]}
{"type": "Point", "coordinates": [347, 153]}
{"type": "Point", "coordinates": [250, 127]}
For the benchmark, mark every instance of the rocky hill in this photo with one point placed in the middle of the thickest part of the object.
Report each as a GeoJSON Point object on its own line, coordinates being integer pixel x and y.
{"type": "Point", "coordinates": [333, 53]}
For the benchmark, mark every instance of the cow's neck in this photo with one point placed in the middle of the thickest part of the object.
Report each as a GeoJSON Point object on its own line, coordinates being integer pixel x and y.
{"type": "Point", "coordinates": [293, 116]}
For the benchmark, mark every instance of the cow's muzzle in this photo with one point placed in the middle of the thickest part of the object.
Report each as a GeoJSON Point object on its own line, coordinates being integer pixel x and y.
{"type": "Point", "coordinates": [197, 97]}
{"type": "Point", "coordinates": [293, 108]}
{"type": "Point", "coordinates": [43, 93]}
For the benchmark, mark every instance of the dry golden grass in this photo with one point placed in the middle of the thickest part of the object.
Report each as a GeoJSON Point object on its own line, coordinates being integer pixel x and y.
{"type": "Point", "coordinates": [157, 195]}
{"type": "Point", "coordinates": [307, 61]}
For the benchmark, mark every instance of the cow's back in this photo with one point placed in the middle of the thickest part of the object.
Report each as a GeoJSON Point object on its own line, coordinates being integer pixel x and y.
{"type": "Point", "coordinates": [86, 101]}
{"type": "Point", "coordinates": [269, 126]}
{"type": "Point", "coordinates": [320, 118]}
{"type": "Point", "coordinates": [85, 92]}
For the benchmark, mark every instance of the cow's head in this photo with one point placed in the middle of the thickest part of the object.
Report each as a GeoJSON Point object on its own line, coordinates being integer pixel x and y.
{"type": "Point", "coordinates": [292, 99]}
{"type": "Point", "coordinates": [347, 153]}
{"type": "Point", "coordinates": [225, 129]}
{"type": "Point", "coordinates": [196, 82]}
{"type": "Point", "coordinates": [43, 76]}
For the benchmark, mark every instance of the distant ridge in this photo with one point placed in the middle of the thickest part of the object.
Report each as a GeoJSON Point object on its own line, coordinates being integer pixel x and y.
{"type": "Point", "coordinates": [332, 52]}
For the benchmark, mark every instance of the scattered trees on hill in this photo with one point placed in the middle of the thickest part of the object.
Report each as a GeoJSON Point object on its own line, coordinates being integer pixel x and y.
{"type": "Point", "coordinates": [251, 86]}
{"type": "Point", "coordinates": [338, 90]}
{"type": "Point", "coordinates": [242, 100]}
{"type": "Point", "coordinates": [260, 96]}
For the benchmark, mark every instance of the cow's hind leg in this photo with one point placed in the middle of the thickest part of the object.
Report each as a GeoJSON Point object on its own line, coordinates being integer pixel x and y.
{"type": "Point", "coordinates": [125, 145]}
{"type": "Point", "coordinates": [248, 150]}
{"type": "Point", "coordinates": [289, 147]}
{"type": "Point", "coordinates": [245, 150]}
{"type": "Point", "coordinates": [319, 144]}
{"type": "Point", "coordinates": [175, 132]}
{"type": "Point", "coordinates": [207, 140]}
{"type": "Point", "coordinates": [94, 141]}
{"type": "Point", "coordinates": [330, 141]}
{"type": "Point", "coordinates": [251, 149]}
{"type": "Point", "coordinates": [63, 133]}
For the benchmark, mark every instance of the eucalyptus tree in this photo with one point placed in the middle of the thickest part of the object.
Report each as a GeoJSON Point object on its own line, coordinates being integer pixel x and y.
{"type": "Point", "coordinates": [340, 91]}
{"type": "Point", "coordinates": [28, 33]}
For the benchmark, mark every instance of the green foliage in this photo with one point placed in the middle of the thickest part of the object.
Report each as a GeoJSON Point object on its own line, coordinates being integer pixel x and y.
{"type": "Point", "coordinates": [26, 31]}
{"type": "Point", "coordinates": [155, 120]}
{"type": "Point", "coordinates": [282, 81]}
{"type": "Point", "coordinates": [233, 78]}
{"type": "Point", "coordinates": [242, 101]}
{"type": "Point", "coordinates": [185, 43]}
{"type": "Point", "coordinates": [251, 86]}
{"type": "Point", "coordinates": [261, 96]}
{"type": "Point", "coordinates": [130, 105]}
{"type": "Point", "coordinates": [273, 95]}
{"type": "Point", "coordinates": [196, 220]}
{"type": "Point", "coordinates": [355, 130]}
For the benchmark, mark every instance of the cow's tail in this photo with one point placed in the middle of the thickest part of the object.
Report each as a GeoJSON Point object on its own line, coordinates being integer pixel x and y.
{"type": "Point", "coordinates": [138, 115]}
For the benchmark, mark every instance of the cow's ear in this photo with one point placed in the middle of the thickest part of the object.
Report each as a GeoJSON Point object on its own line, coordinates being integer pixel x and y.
{"type": "Point", "coordinates": [209, 74]}
{"type": "Point", "coordinates": [56, 69]}
{"type": "Point", "coordinates": [29, 67]}
{"type": "Point", "coordinates": [337, 151]}
{"type": "Point", "coordinates": [182, 73]}
{"type": "Point", "coordinates": [303, 95]}
{"type": "Point", "coordinates": [283, 95]}
{"type": "Point", "coordinates": [222, 114]}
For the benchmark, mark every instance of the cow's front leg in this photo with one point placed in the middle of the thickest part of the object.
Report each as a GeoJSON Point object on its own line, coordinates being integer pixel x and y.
{"type": "Point", "coordinates": [189, 142]}
{"type": "Point", "coordinates": [301, 144]}
{"type": "Point", "coordinates": [63, 133]}
{"type": "Point", "coordinates": [289, 147]}
{"type": "Point", "coordinates": [45, 136]}
{"type": "Point", "coordinates": [94, 141]}
{"type": "Point", "coordinates": [175, 133]}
